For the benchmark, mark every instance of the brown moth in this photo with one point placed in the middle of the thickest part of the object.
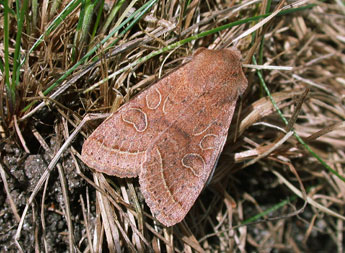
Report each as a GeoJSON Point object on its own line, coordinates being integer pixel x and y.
{"type": "Point", "coordinates": [172, 133]}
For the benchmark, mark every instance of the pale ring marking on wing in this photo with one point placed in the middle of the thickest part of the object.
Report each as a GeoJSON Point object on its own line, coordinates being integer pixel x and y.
{"type": "Point", "coordinates": [134, 124]}
{"type": "Point", "coordinates": [148, 99]}
{"type": "Point", "coordinates": [165, 105]}
{"type": "Point", "coordinates": [195, 155]}
{"type": "Point", "coordinates": [203, 140]}
{"type": "Point", "coordinates": [202, 131]}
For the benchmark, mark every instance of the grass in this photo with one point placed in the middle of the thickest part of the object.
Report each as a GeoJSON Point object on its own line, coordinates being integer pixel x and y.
{"type": "Point", "coordinates": [279, 183]}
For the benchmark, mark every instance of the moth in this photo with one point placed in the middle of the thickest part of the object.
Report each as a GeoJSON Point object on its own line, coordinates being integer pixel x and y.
{"type": "Point", "coordinates": [172, 133]}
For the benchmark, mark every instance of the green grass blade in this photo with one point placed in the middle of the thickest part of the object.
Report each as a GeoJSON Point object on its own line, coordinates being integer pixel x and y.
{"type": "Point", "coordinates": [112, 15]}
{"type": "Point", "coordinates": [68, 72]}
{"type": "Point", "coordinates": [98, 19]}
{"type": "Point", "coordinates": [89, 9]}
{"type": "Point", "coordinates": [189, 39]}
{"type": "Point", "coordinates": [11, 94]}
{"type": "Point", "coordinates": [20, 22]}
{"type": "Point", "coordinates": [268, 211]}
{"type": "Point", "coordinates": [136, 15]}
{"type": "Point", "coordinates": [305, 145]}
{"type": "Point", "coordinates": [34, 9]}
{"type": "Point", "coordinates": [78, 34]}
{"type": "Point", "coordinates": [54, 24]}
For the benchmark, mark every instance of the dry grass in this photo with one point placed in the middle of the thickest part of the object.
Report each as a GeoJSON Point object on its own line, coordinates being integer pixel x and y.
{"type": "Point", "coordinates": [279, 185]}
